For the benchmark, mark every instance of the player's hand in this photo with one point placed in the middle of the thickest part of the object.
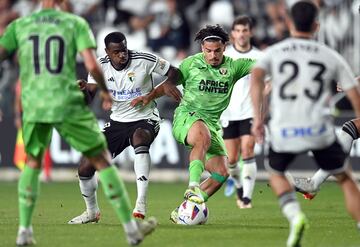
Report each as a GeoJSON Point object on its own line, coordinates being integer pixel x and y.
{"type": "Point", "coordinates": [82, 84]}
{"type": "Point", "coordinates": [106, 100]}
{"type": "Point", "coordinates": [173, 92]}
{"type": "Point", "coordinates": [338, 88]}
{"type": "Point", "coordinates": [258, 130]}
{"type": "Point", "coordinates": [141, 100]}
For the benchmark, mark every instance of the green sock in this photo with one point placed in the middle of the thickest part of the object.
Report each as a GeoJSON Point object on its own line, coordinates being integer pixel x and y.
{"type": "Point", "coordinates": [116, 193]}
{"type": "Point", "coordinates": [28, 190]}
{"type": "Point", "coordinates": [204, 195]}
{"type": "Point", "coordinates": [196, 168]}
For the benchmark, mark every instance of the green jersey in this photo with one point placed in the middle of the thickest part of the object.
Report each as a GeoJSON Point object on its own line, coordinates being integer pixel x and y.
{"type": "Point", "coordinates": [47, 43]}
{"type": "Point", "coordinates": [207, 89]}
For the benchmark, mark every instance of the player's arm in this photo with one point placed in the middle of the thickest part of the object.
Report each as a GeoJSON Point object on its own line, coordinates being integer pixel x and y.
{"type": "Point", "coordinates": [167, 87]}
{"type": "Point", "coordinates": [3, 53]}
{"type": "Point", "coordinates": [88, 89]}
{"type": "Point", "coordinates": [353, 95]}
{"type": "Point", "coordinates": [257, 85]}
{"type": "Point", "coordinates": [94, 69]}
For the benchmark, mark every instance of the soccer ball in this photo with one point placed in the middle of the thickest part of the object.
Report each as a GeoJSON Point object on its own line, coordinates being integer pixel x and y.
{"type": "Point", "coordinates": [191, 213]}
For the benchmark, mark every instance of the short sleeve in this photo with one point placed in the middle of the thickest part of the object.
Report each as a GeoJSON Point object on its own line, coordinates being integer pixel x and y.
{"type": "Point", "coordinates": [8, 39]}
{"type": "Point", "coordinates": [242, 67]}
{"type": "Point", "coordinates": [84, 38]}
{"type": "Point", "coordinates": [264, 62]}
{"type": "Point", "coordinates": [161, 66]}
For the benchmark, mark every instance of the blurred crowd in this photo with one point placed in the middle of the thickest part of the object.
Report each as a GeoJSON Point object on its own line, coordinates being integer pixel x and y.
{"type": "Point", "coordinates": [166, 27]}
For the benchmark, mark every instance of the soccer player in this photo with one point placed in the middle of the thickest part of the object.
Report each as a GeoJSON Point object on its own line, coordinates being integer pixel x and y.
{"type": "Point", "coordinates": [128, 74]}
{"type": "Point", "coordinates": [47, 43]}
{"type": "Point", "coordinates": [310, 186]}
{"type": "Point", "coordinates": [302, 72]}
{"type": "Point", "coordinates": [208, 79]}
{"type": "Point", "coordinates": [237, 118]}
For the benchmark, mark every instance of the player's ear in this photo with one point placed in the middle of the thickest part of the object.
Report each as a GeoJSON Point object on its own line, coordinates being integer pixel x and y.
{"type": "Point", "coordinates": [316, 26]}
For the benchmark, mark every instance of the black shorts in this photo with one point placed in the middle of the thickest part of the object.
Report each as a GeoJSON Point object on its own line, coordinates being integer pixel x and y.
{"type": "Point", "coordinates": [236, 129]}
{"type": "Point", "coordinates": [331, 158]}
{"type": "Point", "coordinates": [119, 134]}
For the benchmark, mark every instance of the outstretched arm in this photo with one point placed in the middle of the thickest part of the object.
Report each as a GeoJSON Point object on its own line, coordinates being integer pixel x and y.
{"type": "Point", "coordinates": [94, 69]}
{"type": "Point", "coordinates": [89, 90]}
{"type": "Point", "coordinates": [167, 87]}
{"type": "Point", "coordinates": [256, 92]}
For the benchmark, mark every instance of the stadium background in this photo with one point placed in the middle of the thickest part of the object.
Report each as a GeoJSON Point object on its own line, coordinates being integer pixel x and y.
{"type": "Point", "coordinates": [167, 27]}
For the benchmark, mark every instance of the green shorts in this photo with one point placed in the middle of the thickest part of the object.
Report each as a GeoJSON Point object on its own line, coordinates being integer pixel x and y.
{"type": "Point", "coordinates": [183, 120]}
{"type": "Point", "coordinates": [80, 130]}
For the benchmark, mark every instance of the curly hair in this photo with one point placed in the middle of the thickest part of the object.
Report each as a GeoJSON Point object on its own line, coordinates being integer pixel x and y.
{"type": "Point", "coordinates": [212, 33]}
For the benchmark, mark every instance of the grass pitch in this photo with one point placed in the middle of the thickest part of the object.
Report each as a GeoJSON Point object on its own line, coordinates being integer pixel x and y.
{"type": "Point", "coordinates": [262, 226]}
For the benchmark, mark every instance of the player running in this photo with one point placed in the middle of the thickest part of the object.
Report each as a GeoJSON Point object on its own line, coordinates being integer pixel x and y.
{"type": "Point", "coordinates": [47, 43]}
{"type": "Point", "coordinates": [128, 75]}
{"type": "Point", "coordinates": [309, 187]}
{"type": "Point", "coordinates": [208, 79]}
{"type": "Point", "coordinates": [302, 72]}
{"type": "Point", "coordinates": [236, 120]}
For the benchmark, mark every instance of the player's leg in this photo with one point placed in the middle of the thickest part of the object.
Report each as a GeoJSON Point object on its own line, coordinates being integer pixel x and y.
{"type": "Point", "coordinates": [216, 164]}
{"type": "Point", "coordinates": [310, 186]}
{"type": "Point", "coordinates": [233, 148]}
{"type": "Point", "coordinates": [88, 185]}
{"type": "Point", "coordinates": [36, 139]}
{"type": "Point", "coordinates": [249, 169]}
{"type": "Point", "coordinates": [231, 138]}
{"type": "Point", "coordinates": [333, 159]}
{"type": "Point", "coordinates": [143, 136]}
{"type": "Point", "coordinates": [94, 147]}
{"type": "Point", "coordinates": [190, 130]}
{"type": "Point", "coordinates": [199, 138]}
{"type": "Point", "coordinates": [282, 188]}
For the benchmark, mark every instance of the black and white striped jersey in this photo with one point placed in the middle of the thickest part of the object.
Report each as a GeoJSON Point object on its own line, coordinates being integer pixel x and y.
{"type": "Point", "coordinates": [132, 81]}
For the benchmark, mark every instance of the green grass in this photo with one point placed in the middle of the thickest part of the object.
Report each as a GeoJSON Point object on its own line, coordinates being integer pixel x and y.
{"type": "Point", "coordinates": [227, 225]}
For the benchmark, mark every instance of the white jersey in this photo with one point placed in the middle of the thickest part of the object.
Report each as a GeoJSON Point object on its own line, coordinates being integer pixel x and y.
{"type": "Point", "coordinates": [304, 73]}
{"type": "Point", "coordinates": [133, 81]}
{"type": "Point", "coordinates": [240, 106]}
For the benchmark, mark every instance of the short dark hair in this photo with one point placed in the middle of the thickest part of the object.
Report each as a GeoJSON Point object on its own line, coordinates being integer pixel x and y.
{"type": "Point", "coordinates": [212, 33]}
{"type": "Point", "coordinates": [304, 14]}
{"type": "Point", "coordinates": [114, 37]}
{"type": "Point", "coordinates": [243, 20]}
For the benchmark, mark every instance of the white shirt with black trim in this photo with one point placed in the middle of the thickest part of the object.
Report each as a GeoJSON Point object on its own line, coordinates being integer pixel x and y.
{"type": "Point", "coordinates": [133, 81]}
{"type": "Point", "coordinates": [303, 75]}
{"type": "Point", "coordinates": [240, 106]}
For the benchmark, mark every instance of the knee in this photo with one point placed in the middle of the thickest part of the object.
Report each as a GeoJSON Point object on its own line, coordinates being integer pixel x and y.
{"type": "Point", "coordinates": [233, 159]}
{"type": "Point", "coordinates": [85, 168]}
{"type": "Point", "coordinates": [141, 137]}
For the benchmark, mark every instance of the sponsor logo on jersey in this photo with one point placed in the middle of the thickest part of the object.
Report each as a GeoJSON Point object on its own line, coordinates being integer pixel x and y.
{"type": "Point", "coordinates": [295, 132]}
{"type": "Point", "coordinates": [125, 94]}
{"type": "Point", "coordinates": [214, 86]}
{"type": "Point", "coordinates": [223, 71]}
{"type": "Point", "coordinates": [131, 76]}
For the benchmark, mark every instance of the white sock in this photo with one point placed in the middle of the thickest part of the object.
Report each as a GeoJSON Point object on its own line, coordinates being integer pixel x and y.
{"type": "Point", "coordinates": [248, 177]}
{"type": "Point", "coordinates": [234, 171]}
{"type": "Point", "coordinates": [142, 169]}
{"type": "Point", "coordinates": [130, 226]}
{"type": "Point", "coordinates": [290, 207]}
{"type": "Point", "coordinates": [319, 178]}
{"type": "Point", "coordinates": [88, 189]}
{"type": "Point", "coordinates": [358, 225]}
